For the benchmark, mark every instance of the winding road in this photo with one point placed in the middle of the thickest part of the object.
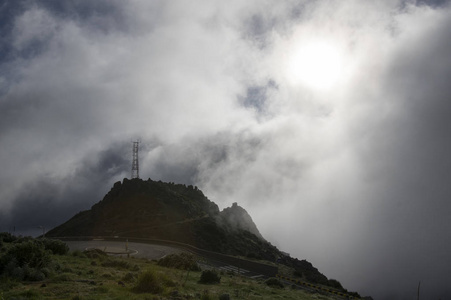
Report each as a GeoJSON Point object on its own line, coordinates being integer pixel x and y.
{"type": "Point", "coordinates": [122, 248]}
{"type": "Point", "coordinates": [156, 251]}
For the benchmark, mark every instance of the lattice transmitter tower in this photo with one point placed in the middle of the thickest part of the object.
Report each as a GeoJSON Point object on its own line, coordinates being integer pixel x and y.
{"type": "Point", "coordinates": [135, 162]}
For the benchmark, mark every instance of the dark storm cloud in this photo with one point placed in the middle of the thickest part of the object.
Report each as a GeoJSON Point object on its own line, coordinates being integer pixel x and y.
{"type": "Point", "coordinates": [8, 11]}
{"type": "Point", "coordinates": [50, 201]}
{"type": "Point", "coordinates": [46, 203]}
{"type": "Point", "coordinates": [434, 3]}
{"type": "Point", "coordinates": [105, 16]}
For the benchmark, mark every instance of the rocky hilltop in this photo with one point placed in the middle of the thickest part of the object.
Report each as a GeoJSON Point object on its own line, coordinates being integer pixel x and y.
{"type": "Point", "coordinates": [176, 212]}
{"type": "Point", "coordinates": [159, 210]}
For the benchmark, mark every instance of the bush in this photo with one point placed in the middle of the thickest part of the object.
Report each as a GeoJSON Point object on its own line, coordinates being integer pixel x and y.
{"type": "Point", "coordinates": [34, 275]}
{"type": "Point", "coordinates": [209, 277]}
{"type": "Point", "coordinates": [28, 253]}
{"type": "Point", "coordinates": [64, 277]}
{"type": "Point", "coordinates": [56, 246]}
{"type": "Point", "coordinates": [297, 273]}
{"type": "Point", "coordinates": [148, 283]}
{"type": "Point", "coordinates": [182, 261]}
{"type": "Point", "coordinates": [23, 239]}
{"type": "Point", "coordinates": [224, 297]}
{"type": "Point", "coordinates": [7, 237]}
{"type": "Point", "coordinates": [207, 296]}
{"type": "Point", "coordinates": [335, 284]}
{"type": "Point", "coordinates": [78, 253]}
{"type": "Point", "coordinates": [274, 282]}
{"type": "Point", "coordinates": [120, 264]}
{"type": "Point", "coordinates": [129, 277]}
{"type": "Point", "coordinates": [46, 271]}
{"type": "Point", "coordinates": [23, 272]}
{"type": "Point", "coordinates": [107, 275]}
{"type": "Point", "coordinates": [252, 255]}
{"type": "Point", "coordinates": [30, 294]}
{"type": "Point", "coordinates": [27, 259]}
{"type": "Point", "coordinates": [16, 273]}
{"type": "Point", "coordinates": [95, 253]}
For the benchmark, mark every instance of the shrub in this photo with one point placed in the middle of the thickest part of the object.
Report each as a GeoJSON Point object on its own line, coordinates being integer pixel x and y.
{"type": "Point", "coordinates": [13, 270]}
{"type": "Point", "coordinates": [56, 246]}
{"type": "Point", "coordinates": [182, 261]}
{"type": "Point", "coordinates": [224, 297]}
{"type": "Point", "coordinates": [17, 273]}
{"type": "Point", "coordinates": [78, 253]}
{"type": "Point", "coordinates": [26, 259]}
{"type": "Point", "coordinates": [22, 239]}
{"type": "Point", "coordinates": [63, 277]}
{"type": "Point", "coordinates": [95, 253]}
{"type": "Point", "coordinates": [34, 275]}
{"type": "Point", "coordinates": [209, 277]}
{"type": "Point", "coordinates": [166, 281]}
{"type": "Point", "coordinates": [274, 282]}
{"type": "Point", "coordinates": [148, 283]}
{"type": "Point", "coordinates": [28, 253]}
{"type": "Point", "coordinates": [206, 296]}
{"type": "Point", "coordinates": [252, 255]}
{"type": "Point", "coordinates": [107, 275]}
{"type": "Point", "coordinates": [129, 277]}
{"type": "Point", "coordinates": [335, 284]}
{"type": "Point", "coordinates": [120, 264]}
{"type": "Point", "coordinates": [7, 237]}
{"type": "Point", "coordinates": [102, 289]}
{"type": "Point", "coordinates": [30, 294]}
{"type": "Point", "coordinates": [297, 273]}
{"type": "Point", "coordinates": [46, 271]}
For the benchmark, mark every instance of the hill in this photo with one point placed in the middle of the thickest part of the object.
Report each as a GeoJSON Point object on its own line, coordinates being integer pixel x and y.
{"type": "Point", "coordinates": [176, 212]}
{"type": "Point", "coordinates": [55, 273]}
{"type": "Point", "coordinates": [158, 210]}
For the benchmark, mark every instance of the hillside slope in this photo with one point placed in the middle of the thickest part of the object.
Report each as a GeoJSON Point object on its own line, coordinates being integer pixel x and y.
{"type": "Point", "coordinates": [168, 211]}
{"type": "Point", "coordinates": [158, 210]}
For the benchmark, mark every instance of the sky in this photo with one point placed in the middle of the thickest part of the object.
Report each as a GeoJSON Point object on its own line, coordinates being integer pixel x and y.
{"type": "Point", "coordinates": [328, 121]}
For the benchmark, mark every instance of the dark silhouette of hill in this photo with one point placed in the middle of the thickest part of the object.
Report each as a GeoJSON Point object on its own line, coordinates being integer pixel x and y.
{"type": "Point", "coordinates": [176, 212]}
{"type": "Point", "coordinates": [158, 210]}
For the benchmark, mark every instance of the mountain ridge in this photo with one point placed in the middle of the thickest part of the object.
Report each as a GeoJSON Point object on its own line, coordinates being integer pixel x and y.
{"type": "Point", "coordinates": [155, 209]}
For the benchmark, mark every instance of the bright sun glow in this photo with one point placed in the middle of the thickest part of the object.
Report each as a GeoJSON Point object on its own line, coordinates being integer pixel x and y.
{"type": "Point", "coordinates": [317, 65]}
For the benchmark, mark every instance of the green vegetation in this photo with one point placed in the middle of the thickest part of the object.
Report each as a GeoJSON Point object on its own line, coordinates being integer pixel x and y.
{"type": "Point", "coordinates": [182, 261]}
{"type": "Point", "coordinates": [29, 259]}
{"type": "Point", "coordinates": [149, 282]}
{"type": "Point", "coordinates": [38, 273]}
{"type": "Point", "coordinates": [274, 282]}
{"type": "Point", "coordinates": [180, 213]}
{"type": "Point", "coordinates": [209, 277]}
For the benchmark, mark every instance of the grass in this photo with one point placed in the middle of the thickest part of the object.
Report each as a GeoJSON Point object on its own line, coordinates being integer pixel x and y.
{"type": "Point", "coordinates": [81, 277]}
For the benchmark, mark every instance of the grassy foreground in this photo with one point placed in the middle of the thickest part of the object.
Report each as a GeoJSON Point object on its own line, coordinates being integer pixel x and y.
{"type": "Point", "coordinates": [93, 275]}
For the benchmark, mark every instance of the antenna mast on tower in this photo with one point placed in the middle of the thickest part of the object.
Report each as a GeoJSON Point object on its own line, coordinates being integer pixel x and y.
{"type": "Point", "coordinates": [135, 162]}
